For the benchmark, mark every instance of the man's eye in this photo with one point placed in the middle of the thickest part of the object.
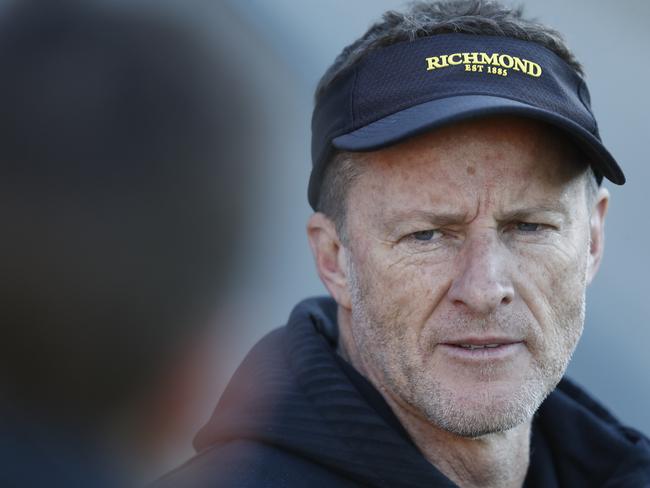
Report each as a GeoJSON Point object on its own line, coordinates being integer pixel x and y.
{"type": "Point", "coordinates": [528, 226]}
{"type": "Point", "coordinates": [424, 235]}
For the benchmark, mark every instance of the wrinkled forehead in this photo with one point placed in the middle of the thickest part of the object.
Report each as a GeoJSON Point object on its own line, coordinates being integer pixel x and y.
{"type": "Point", "coordinates": [503, 160]}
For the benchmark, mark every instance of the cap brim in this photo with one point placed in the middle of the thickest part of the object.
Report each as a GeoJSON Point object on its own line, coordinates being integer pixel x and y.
{"type": "Point", "coordinates": [430, 115]}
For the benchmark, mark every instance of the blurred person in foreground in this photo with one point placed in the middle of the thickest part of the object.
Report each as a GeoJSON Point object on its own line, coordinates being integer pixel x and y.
{"type": "Point", "coordinates": [456, 180]}
{"type": "Point", "coordinates": [121, 198]}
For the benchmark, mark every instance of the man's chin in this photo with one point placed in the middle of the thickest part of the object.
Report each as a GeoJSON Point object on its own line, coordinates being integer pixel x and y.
{"type": "Point", "coordinates": [476, 426]}
{"type": "Point", "coordinates": [484, 411]}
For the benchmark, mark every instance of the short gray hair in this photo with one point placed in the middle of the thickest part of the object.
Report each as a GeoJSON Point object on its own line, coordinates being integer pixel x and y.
{"type": "Point", "coordinates": [423, 19]}
{"type": "Point", "coordinates": [340, 173]}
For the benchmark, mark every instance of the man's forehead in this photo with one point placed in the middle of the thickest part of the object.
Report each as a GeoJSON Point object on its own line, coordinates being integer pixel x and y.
{"type": "Point", "coordinates": [516, 149]}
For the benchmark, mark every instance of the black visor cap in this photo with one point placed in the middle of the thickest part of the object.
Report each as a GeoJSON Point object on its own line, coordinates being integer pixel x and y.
{"type": "Point", "coordinates": [410, 88]}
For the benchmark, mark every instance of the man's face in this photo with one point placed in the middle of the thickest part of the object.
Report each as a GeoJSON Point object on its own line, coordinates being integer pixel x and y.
{"type": "Point", "coordinates": [467, 267]}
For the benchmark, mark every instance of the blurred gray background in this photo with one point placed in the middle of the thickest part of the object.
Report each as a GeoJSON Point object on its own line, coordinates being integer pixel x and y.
{"type": "Point", "coordinates": [286, 45]}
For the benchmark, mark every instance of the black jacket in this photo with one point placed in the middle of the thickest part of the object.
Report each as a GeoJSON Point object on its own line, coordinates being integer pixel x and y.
{"type": "Point", "coordinates": [294, 415]}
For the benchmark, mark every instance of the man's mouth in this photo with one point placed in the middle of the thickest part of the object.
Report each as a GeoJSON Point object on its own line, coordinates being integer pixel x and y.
{"type": "Point", "coordinates": [478, 348]}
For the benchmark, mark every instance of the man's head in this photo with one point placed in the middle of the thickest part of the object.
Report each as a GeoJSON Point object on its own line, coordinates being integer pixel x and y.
{"type": "Point", "coordinates": [459, 256]}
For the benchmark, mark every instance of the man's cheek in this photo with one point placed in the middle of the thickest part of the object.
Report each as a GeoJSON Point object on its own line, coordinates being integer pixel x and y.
{"type": "Point", "coordinates": [408, 303]}
{"type": "Point", "coordinates": [552, 263]}
{"type": "Point", "coordinates": [554, 274]}
{"type": "Point", "coordinates": [403, 291]}
{"type": "Point", "coordinates": [554, 293]}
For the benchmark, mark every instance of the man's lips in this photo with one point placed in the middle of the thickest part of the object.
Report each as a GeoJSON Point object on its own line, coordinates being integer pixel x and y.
{"type": "Point", "coordinates": [478, 342]}
{"type": "Point", "coordinates": [482, 348]}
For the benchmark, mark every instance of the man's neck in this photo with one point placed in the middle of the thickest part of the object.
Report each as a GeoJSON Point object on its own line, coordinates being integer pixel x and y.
{"type": "Point", "coordinates": [493, 460]}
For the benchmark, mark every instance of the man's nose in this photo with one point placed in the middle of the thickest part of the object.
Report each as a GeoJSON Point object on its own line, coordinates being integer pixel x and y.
{"type": "Point", "coordinates": [482, 282]}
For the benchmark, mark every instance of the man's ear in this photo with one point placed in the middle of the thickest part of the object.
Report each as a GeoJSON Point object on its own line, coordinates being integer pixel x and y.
{"type": "Point", "coordinates": [330, 257]}
{"type": "Point", "coordinates": [597, 233]}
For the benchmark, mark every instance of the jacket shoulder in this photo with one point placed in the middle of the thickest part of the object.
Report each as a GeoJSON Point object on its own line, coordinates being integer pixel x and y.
{"type": "Point", "coordinates": [591, 446]}
{"type": "Point", "coordinates": [245, 463]}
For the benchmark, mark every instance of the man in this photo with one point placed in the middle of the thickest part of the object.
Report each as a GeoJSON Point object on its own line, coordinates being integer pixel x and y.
{"type": "Point", "coordinates": [459, 219]}
{"type": "Point", "coordinates": [121, 174]}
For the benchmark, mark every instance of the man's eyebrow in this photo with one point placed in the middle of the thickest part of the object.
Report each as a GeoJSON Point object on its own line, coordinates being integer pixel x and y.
{"type": "Point", "coordinates": [438, 218]}
{"type": "Point", "coordinates": [519, 213]}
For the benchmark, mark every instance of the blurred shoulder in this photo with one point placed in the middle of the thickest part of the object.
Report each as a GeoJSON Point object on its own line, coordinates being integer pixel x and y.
{"type": "Point", "coordinates": [244, 463]}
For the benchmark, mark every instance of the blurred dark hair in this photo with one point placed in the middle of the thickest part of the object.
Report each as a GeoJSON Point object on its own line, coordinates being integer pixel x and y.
{"type": "Point", "coordinates": [121, 197]}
